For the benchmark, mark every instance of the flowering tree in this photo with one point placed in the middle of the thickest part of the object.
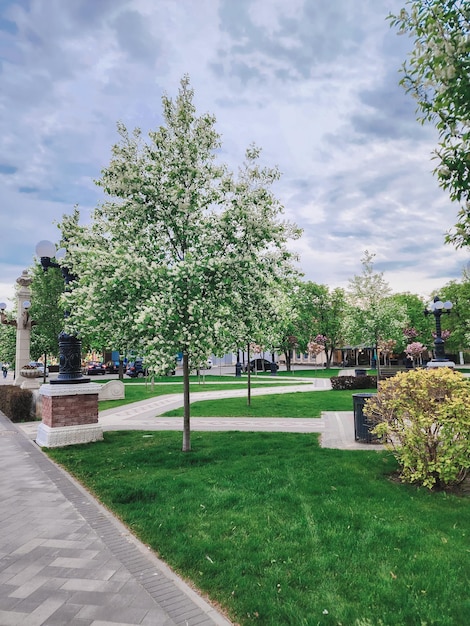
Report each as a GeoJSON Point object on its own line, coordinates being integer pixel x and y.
{"type": "Point", "coordinates": [415, 350]}
{"type": "Point", "coordinates": [373, 314]}
{"type": "Point", "coordinates": [410, 333]}
{"type": "Point", "coordinates": [386, 347]}
{"type": "Point", "coordinates": [438, 75]}
{"type": "Point", "coordinates": [314, 348]}
{"type": "Point", "coordinates": [178, 241]}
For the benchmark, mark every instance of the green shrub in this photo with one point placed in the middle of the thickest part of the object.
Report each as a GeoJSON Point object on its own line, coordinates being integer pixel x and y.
{"type": "Point", "coordinates": [353, 382]}
{"type": "Point", "coordinates": [424, 416]}
{"type": "Point", "coordinates": [16, 403]}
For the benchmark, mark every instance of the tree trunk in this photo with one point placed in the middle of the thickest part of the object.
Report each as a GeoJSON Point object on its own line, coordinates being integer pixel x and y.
{"type": "Point", "coordinates": [288, 360]}
{"type": "Point", "coordinates": [377, 358]}
{"type": "Point", "coordinates": [329, 356]}
{"type": "Point", "coordinates": [187, 413]}
{"type": "Point", "coordinates": [248, 401]}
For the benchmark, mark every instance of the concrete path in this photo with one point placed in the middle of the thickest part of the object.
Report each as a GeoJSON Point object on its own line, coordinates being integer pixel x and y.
{"type": "Point", "coordinates": [65, 560]}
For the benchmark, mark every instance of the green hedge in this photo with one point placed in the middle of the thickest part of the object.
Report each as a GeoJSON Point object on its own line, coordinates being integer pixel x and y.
{"type": "Point", "coordinates": [16, 403]}
{"type": "Point", "coordinates": [353, 382]}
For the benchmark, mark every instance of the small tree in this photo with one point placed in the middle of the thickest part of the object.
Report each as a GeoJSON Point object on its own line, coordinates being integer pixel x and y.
{"type": "Point", "coordinates": [373, 313]}
{"type": "Point", "coordinates": [179, 240]}
{"type": "Point", "coordinates": [415, 351]}
{"type": "Point", "coordinates": [424, 416]}
{"type": "Point", "coordinates": [386, 347]}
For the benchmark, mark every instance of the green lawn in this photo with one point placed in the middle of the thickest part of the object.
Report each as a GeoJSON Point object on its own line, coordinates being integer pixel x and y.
{"type": "Point", "coordinates": [311, 373]}
{"type": "Point", "coordinates": [297, 404]}
{"type": "Point", "coordinates": [282, 532]}
{"type": "Point", "coordinates": [135, 393]}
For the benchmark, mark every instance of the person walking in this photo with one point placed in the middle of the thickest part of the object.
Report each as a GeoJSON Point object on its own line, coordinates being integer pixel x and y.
{"type": "Point", "coordinates": [4, 369]}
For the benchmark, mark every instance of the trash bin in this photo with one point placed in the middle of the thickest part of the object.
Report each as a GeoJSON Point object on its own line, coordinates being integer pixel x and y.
{"type": "Point", "coordinates": [273, 368]}
{"type": "Point", "coordinates": [362, 427]}
{"type": "Point", "coordinates": [360, 372]}
{"type": "Point", "coordinates": [238, 369]}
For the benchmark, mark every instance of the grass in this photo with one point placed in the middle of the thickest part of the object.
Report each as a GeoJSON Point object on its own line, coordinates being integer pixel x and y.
{"type": "Point", "coordinates": [282, 532]}
{"type": "Point", "coordinates": [311, 373]}
{"type": "Point", "coordinates": [135, 393]}
{"type": "Point", "coordinates": [296, 404]}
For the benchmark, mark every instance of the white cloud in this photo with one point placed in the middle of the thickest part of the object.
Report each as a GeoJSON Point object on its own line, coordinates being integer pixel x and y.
{"type": "Point", "coordinates": [314, 84]}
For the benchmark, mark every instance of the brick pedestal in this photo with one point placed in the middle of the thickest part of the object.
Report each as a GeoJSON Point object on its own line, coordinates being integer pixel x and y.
{"type": "Point", "coordinates": [69, 415]}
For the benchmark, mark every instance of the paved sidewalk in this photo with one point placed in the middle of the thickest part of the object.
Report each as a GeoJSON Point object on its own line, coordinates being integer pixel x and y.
{"type": "Point", "coordinates": [64, 560]}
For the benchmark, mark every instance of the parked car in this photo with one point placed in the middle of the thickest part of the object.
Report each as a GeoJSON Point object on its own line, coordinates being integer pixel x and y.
{"type": "Point", "coordinates": [136, 369]}
{"type": "Point", "coordinates": [40, 367]}
{"type": "Point", "coordinates": [95, 367]}
{"type": "Point", "coordinates": [261, 365]}
{"type": "Point", "coordinates": [112, 367]}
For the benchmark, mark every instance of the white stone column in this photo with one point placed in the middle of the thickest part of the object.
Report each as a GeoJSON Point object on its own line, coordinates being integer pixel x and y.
{"type": "Point", "coordinates": [23, 331]}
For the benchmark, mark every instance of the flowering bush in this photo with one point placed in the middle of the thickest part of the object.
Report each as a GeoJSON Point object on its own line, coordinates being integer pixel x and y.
{"type": "Point", "coordinates": [445, 334]}
{"type": "Point", "coordinates": [415, 349]}
{"type": "Point", "coordinates": [424, 417]}
{"type": "Point", "coordinates": [339, 383]}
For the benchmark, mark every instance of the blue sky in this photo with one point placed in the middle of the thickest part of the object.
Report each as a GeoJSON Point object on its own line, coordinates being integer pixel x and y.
{"type": "Point", "coordinates": [314, 83]}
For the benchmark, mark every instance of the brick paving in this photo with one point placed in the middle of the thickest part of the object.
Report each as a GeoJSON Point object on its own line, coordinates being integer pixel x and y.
{"type": "Point", "coordinates": [64, 560]}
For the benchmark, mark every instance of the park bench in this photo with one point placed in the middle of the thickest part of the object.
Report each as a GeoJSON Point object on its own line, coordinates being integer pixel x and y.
{"type": "Point", "coordinates": [389, 372]}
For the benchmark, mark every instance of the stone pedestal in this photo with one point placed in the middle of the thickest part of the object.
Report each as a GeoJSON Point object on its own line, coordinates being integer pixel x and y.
{"type": "Point", "coordinates": [69, 415]}
{"type": "Point", "coordinates": [437, 363]}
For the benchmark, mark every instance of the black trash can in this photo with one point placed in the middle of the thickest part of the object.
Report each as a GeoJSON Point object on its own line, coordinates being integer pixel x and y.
{"type": "Point", "coordinates": [360, 372]}
{"type": "Point", "coordinates": [362, 427]}
{"type": "Point", "coordinates": [238, 369]}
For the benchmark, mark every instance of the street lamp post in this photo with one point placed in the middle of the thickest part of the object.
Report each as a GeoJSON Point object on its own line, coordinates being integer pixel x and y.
{"type": "Point", "coordinates": [69, 410]}
{"type": "Point", "coordinates": [70, 347]}
{"type": "Point", "coordinates": [437, 308]}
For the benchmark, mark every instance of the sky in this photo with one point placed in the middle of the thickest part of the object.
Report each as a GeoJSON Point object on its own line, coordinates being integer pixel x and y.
{"type": "Point", "coordinates": [314, 83]}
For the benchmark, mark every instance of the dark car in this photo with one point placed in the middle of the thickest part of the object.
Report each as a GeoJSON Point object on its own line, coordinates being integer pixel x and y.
{"type": "Point", "coordinates": [136, 369]}
{"type": "Point", "coordinates": [262, 365]}
{"type": "Point", "coordinates": [96, 367]}
{"type": "Point", "coordinates": [112, 367]}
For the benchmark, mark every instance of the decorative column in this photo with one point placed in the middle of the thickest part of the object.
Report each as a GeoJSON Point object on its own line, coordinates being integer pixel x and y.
{"type": "Point", "coordinates": [23, 324]}
{"type": "Point", "coordinates": [23, 332]}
